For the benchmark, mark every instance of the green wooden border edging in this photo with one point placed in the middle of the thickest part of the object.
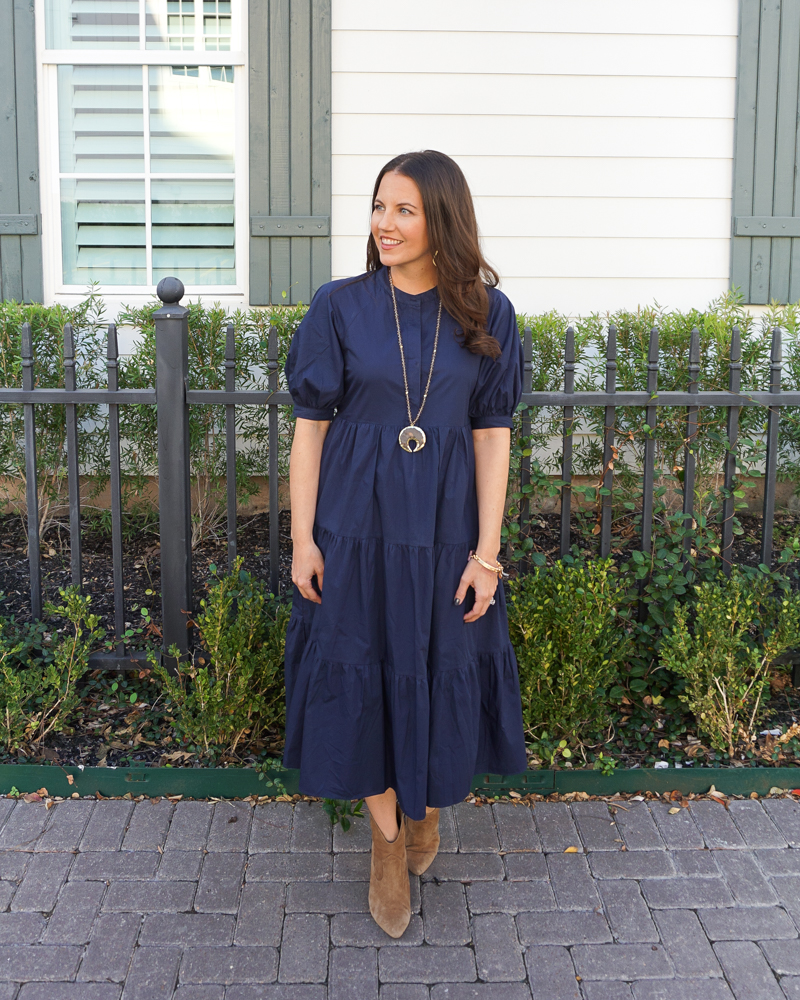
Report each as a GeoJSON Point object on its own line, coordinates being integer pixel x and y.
{"type": "Point", "coordinates": [237, 782]}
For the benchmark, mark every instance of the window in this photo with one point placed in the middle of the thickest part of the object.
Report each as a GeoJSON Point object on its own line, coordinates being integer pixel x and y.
{"type": "Point", "coordinates": [145, 106]}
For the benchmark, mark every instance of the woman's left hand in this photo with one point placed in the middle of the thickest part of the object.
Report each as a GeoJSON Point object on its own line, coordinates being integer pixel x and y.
{"type": "Point", "coordinates": [483, 582]}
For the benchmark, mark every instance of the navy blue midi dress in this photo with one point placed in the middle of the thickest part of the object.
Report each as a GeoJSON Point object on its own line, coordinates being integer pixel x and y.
{"type": "Point", "coordinates": [386, 685]}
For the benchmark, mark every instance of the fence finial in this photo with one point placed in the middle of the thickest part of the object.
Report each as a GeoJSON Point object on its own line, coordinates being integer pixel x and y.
{"type": "Point", "coordinates": [69, 346]}
{"type": "Point", "coordinates": [170, 291]}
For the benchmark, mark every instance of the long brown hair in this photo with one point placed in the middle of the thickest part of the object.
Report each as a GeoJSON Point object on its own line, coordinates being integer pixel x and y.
{"type": "Point", "coordinates": [453, 232]}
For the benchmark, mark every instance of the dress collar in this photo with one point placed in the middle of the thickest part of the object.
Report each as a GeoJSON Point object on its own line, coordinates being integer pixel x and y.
{"type": "Point", "coordinates": [432, 294]}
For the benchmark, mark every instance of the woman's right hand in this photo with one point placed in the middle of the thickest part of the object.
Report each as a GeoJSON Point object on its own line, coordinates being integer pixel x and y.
{"type": "Point", "coordinates": [307, 562]}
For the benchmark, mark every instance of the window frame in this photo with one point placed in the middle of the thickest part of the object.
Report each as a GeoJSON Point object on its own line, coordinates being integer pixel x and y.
{"type": "Point", "coordinates": [50, 175]}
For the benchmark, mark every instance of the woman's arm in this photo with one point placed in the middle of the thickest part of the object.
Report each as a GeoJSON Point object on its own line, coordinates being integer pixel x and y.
{"type": "Point", "coordinates": [492, 456]}
{"type": "Point", "coordinates": [304, 463]}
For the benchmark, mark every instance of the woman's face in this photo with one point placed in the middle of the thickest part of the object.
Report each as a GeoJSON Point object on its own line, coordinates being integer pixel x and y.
{"type": "Point", "coordinates": [398, 221]}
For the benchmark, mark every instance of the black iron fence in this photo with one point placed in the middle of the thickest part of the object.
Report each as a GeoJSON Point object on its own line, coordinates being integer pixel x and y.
{"type": "Point", "coordinates": [172, 397]}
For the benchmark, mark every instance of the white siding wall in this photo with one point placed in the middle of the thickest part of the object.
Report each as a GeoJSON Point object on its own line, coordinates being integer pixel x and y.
{"type": "Point", "coordinates": [597, 137]}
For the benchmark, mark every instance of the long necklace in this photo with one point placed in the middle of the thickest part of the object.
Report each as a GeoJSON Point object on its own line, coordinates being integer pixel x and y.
{"type": "Point", "coordinates": [412, 432]}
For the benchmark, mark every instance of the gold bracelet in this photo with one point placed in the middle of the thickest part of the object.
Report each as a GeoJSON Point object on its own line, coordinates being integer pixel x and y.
{"type": "Point", "coordinates": [495, 569]}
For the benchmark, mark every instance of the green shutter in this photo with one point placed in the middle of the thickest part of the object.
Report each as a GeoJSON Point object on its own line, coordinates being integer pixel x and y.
{"type": "Point", "coordinates": [20, 242]}
{"type": "Point", "coordinates": [765, 256]}
{"type": "Point", "coordinates": [290, 149]}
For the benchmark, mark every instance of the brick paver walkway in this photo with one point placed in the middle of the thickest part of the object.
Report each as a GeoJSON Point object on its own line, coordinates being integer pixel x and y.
{"type": "Point", "coordinates": [120, 900]}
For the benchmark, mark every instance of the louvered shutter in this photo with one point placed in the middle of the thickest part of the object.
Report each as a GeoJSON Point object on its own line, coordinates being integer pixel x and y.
{"type": "Point", "coordinates": [20, 242]}
{"type": "Point", "coordinates": [290, 149]}
{"type": "Point", "coordinates": [765, 257]}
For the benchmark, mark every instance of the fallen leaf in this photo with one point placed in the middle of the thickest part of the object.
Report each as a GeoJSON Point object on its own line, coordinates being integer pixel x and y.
{"type": "Point", "coordinates": [42, 791]}
{"type": "Point", "coordinates": [663, 743]}
{"type": "Point", "coordinates": [571, 850]}
{"type": "Point", "coordinates": [515, 795]}
{"type": "Point", "coordinates": [674, 810]}
{"type": "Point", "coordinates": [70, 779]}
{"type": "Point", "coordinates": [32, 797]}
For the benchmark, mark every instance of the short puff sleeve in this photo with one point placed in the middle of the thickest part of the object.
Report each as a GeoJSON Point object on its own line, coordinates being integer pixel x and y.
{"type": "Point", "coordinates": [315, 364]}
{"type": "Point", "coordinates": [499, 387]}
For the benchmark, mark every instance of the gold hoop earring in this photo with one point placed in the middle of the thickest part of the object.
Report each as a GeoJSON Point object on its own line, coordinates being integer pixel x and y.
{"type": "Point", "coordinates": [434, 259]}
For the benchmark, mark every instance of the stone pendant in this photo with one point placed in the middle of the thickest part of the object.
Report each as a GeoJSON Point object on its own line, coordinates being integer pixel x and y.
{"type": "Point", "coordinates": [412, 434]}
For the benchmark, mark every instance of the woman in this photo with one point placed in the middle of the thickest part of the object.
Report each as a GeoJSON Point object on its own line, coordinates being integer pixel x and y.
{"type": "Point", "coordinates": [401, 681]}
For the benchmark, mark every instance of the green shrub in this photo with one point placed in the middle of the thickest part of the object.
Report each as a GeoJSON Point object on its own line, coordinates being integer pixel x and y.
{"type": "Point", "coordinates": [568, 628]}
{"type": "Point", "coordinates": [234, 686]}
{"type": "Point", "coordinates": [722, 644]}
{"type": "Point", "coordinates": [38, 693]}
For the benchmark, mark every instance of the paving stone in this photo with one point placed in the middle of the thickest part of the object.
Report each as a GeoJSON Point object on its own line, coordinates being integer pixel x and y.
{"type": "Point", "coordinates": [465, 868]}
{"type": "Point", "coordinates": [783, 956]}
{"type": "Point", "coordinates": [349, 867]}
{"type": "Point", "coordinates": [627, 913]}
{"type": "Point", "coordinates": [13, 864]}
{"type": "Point", "coordinates": [685, 893]}
{"type": "Point", "coordinates": [787, 889]}
{"type": "Point", "coordinates": [444, 913]}
{"type": "Point", "coordinates": [745, 879]}
{"type": "Point", "coordinates": [479, 991]}
{"type": "Point", "coordinates": [359, 930]}
{"type": "Point", "coordinates": [717, 827]}
{"type": "Point", "coordinates": [775, 862]}
{"type": "Point", "coordinates": [66, 826]}
{"type": "Point", "coordinates": [24, 826]}
{"type": "Point", "coordinates": [754, 824]}
{"type": "Point", "coordinates": [188, 829]}
{"type": "Point", "coordinates": [567, 928]}
{"type": "Point", "coordinates": [42, 962]}
{"type": "Point", "coordinates": [621, 961]}
{"type": "Point", "coordinates": [108, 826]}
{"type": "Point", "coordinates": [190, 930]}
{"type": "Point", "coordinates": [554, 824]}
{"type": "Point", "coordinates": [784, 813]}
{"type": "Point", "coordinates": [404, 991]}
{"type": "Point", "coordinates": [515, 827]}
{"type": "Point", "coordinates": [637, 827]}
{"type": "Point", "coordinates": [475, 827]}
{"type": "Point", "coordinates": [791, 987]}
{"type": "Point", "coordinates": [664, 989]}
{"type": "Point", "coordinates": [200, 993]}
{"type": "Point", "coordinates": [153, 974]}
{"type": "Point", "coordinates": [290, 868]}
{"type": "Point", "coordinates": [304, 950]}
{"type": "Point", "coordinates": [110, 948]}
{"type": "Point", "coordinates": [148, 826]}
{"type": "Point", "coordinates": [229, 965]}
{"type": "Point", "coordinates": [260, 914]}
{"type": "Point", "coordinates": [747, 971]}
{"type": "Point", "coordinates": [631, 864]}
{"type": "Point", "coordinates": [180, 866]}
{"type": "Point", "coordinates": [9, 990]}
{"type": "Point", "coordinates": [573, 885]}
{"type": "Point", "coordinates": [754, 923]}
{"type": "Point", "coordinates": [448, 841]}
{"type": "Point", "coordinates": [74, 914]}
{"type": "Point", "coordinates": [498, 955]}
{"type": "Point", "coordinates": [271, 828]}
{"type": "Point", "coordinates": [686, 941]}
{"type": "Point", "coordinates": [40, 886]}
{"type": "Point", "coordinates": [66, 991]}
{"type": "Point", "coordinates": [230, 828]}
{"type": "Point", "coordinates": [148, 897]}
{"type": "Point", "coordinates": [327, 897]}
{"type": "Point", "coordinates": [22, 928]}
{"type": "Point", "coordinates": [679, 831]}
{"type": "Point", "coordinates": [6, 808]}
{"type": "Point", "coordinates": [695, 862]}
{"type": "Point", "coordinates": [275, 991]}
{"type": "Point", "coordinates": [357, 839]}
{"type": "Point", "coordinates": [426, 965]}
{"type": "Point", "coordinates": [521, 867]}
{"type": "Point", "coordinates": [600, 990]}
{"type": "Point", "coordinates": [353, 974]}
{"type": "Point", "coordinates": [551, 973]}
{"type": "Point", "coordinates": [104, 866]}
{"type": "Point", "coordinates": [509, 897]}
{"type": "Point", "coordinates": [7, 890]}
{"type": "Point", "coordinates": [311, 830]}
{"type": "Point", "coordinates": [220, 883]}
{"type": "Point", "coordinates": [596, 826]}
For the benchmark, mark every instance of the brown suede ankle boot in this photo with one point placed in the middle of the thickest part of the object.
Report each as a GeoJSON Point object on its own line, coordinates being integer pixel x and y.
{"type": "Point", "coordinates": [389, 888]}
{"type": "Point", "coordinates": [422, 841]}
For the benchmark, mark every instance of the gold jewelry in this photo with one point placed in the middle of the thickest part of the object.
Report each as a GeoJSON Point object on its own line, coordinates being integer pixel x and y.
{"type": "Point", "coordinates": [413, 433]}
{"type": "Point", "coordinates": [495, 569]}
{"type": "Point", "coordinates": [434, 259]}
